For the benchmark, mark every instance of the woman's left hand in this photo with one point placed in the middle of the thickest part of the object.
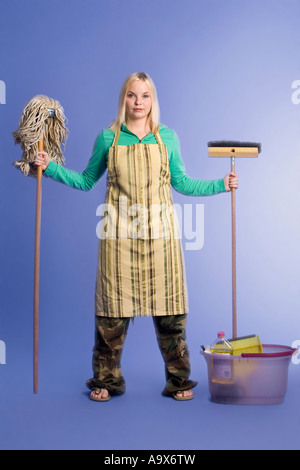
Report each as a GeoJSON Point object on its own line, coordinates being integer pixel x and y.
{"type": "Point", "coordinates": [231, 181]}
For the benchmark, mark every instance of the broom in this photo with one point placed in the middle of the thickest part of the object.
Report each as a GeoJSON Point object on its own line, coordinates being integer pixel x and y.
{"type": "Point", "coordinates": [42, 127]}
{"type": "Point", "coordinates": [233, 149]}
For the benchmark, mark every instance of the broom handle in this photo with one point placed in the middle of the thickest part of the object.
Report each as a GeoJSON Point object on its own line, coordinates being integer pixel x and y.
{"type": "Point", "coordinates": [37, 271]}
{"type": "Point", "coordinates": [233, 230]}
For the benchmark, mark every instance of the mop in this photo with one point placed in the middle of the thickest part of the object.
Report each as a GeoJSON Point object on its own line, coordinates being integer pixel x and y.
{"type": "Point", "coordinates": [235, 149]}
{"type": "Point", "coordinates": [42, 127]}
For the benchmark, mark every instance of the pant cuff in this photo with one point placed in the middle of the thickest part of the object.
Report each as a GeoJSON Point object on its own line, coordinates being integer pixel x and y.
{"type": "Point", "coordinates": [113, 389]}
{"type": "Point", "coordinates": [172, 388]}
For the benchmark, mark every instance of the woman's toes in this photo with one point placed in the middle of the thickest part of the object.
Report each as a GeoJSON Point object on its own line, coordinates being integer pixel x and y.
{"type": "Point", "coordinates": [104, 393]}
{"type": "Point", "coordinates": [185, 393]}
{"type": "Point", "coordinates": [98, 393]}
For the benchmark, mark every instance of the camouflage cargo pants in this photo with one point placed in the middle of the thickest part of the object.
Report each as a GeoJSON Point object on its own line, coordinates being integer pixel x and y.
{"type": "Point", "coordinates": [110, 335]}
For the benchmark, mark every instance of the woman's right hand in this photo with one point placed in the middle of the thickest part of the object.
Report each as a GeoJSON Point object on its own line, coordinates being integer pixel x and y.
{"type": "Point", "coordinates": [42, 159]}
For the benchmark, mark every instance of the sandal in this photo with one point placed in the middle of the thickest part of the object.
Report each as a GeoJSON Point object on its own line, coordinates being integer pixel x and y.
{"type": "Point", "coordinates": [182, 398]}
{"type": "Point", "coordinates": [97, 392]}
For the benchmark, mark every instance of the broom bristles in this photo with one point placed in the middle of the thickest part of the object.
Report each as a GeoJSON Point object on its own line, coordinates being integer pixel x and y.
{"type": "Point", "coordinates": [234, 143]}
{"type": "Point", "coordinates": [34, 125]}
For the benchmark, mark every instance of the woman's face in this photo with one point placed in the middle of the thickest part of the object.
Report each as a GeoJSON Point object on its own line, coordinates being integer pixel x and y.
{"type": "Point", "coordinates": [138, 100]}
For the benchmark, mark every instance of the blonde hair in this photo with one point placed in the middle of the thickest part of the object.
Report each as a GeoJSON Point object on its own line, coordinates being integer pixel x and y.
{"type": "Point", "coordinates": [153, 117]}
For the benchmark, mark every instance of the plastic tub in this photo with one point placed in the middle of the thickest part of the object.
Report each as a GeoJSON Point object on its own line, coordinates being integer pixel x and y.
{"type": "Point", "coordinates": [251, 378]}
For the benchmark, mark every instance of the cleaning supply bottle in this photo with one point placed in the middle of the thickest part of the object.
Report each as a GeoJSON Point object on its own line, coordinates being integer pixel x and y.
{"type": "Point", "coordinates": [222, 345]}
{"type": "Point", "coordinates": [221, 362]}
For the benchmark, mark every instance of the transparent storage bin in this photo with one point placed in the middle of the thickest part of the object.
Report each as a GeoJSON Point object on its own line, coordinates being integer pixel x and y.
{"type": "Point", "coordinates": [251, 378]}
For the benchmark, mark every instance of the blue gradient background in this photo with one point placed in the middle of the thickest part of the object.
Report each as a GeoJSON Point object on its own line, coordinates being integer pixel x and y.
{"type": "Point", "coordinates": [223, 70]}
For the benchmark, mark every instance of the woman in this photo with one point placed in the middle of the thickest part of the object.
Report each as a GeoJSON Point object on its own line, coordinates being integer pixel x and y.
{"type": "Point", "coordinates": [140, 264]}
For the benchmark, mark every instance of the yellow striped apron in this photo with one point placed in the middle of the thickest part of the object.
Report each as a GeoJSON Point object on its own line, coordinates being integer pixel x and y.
{"type": "Point", "coordinates": [140, 269]}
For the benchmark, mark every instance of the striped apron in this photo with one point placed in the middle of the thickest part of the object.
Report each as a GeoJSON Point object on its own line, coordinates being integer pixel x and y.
{"type": "Point", "coordinates": [140, 269]}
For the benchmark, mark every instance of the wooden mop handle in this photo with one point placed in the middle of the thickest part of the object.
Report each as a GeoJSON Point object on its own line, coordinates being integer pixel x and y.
{"type": "Point", "coordinates": [233, 230]}
{"type": "Point", "coordinates": [37, 271]}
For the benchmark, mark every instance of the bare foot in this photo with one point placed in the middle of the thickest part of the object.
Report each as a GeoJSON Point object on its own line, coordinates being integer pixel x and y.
{"type": "Point", "coordinates": [99, 394]}
{"type": "Point", "coordinates": [184, 395]}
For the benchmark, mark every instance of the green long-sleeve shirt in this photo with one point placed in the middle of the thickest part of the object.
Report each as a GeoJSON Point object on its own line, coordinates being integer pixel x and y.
{"type": "Point", "coordinates": [97, 164]}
